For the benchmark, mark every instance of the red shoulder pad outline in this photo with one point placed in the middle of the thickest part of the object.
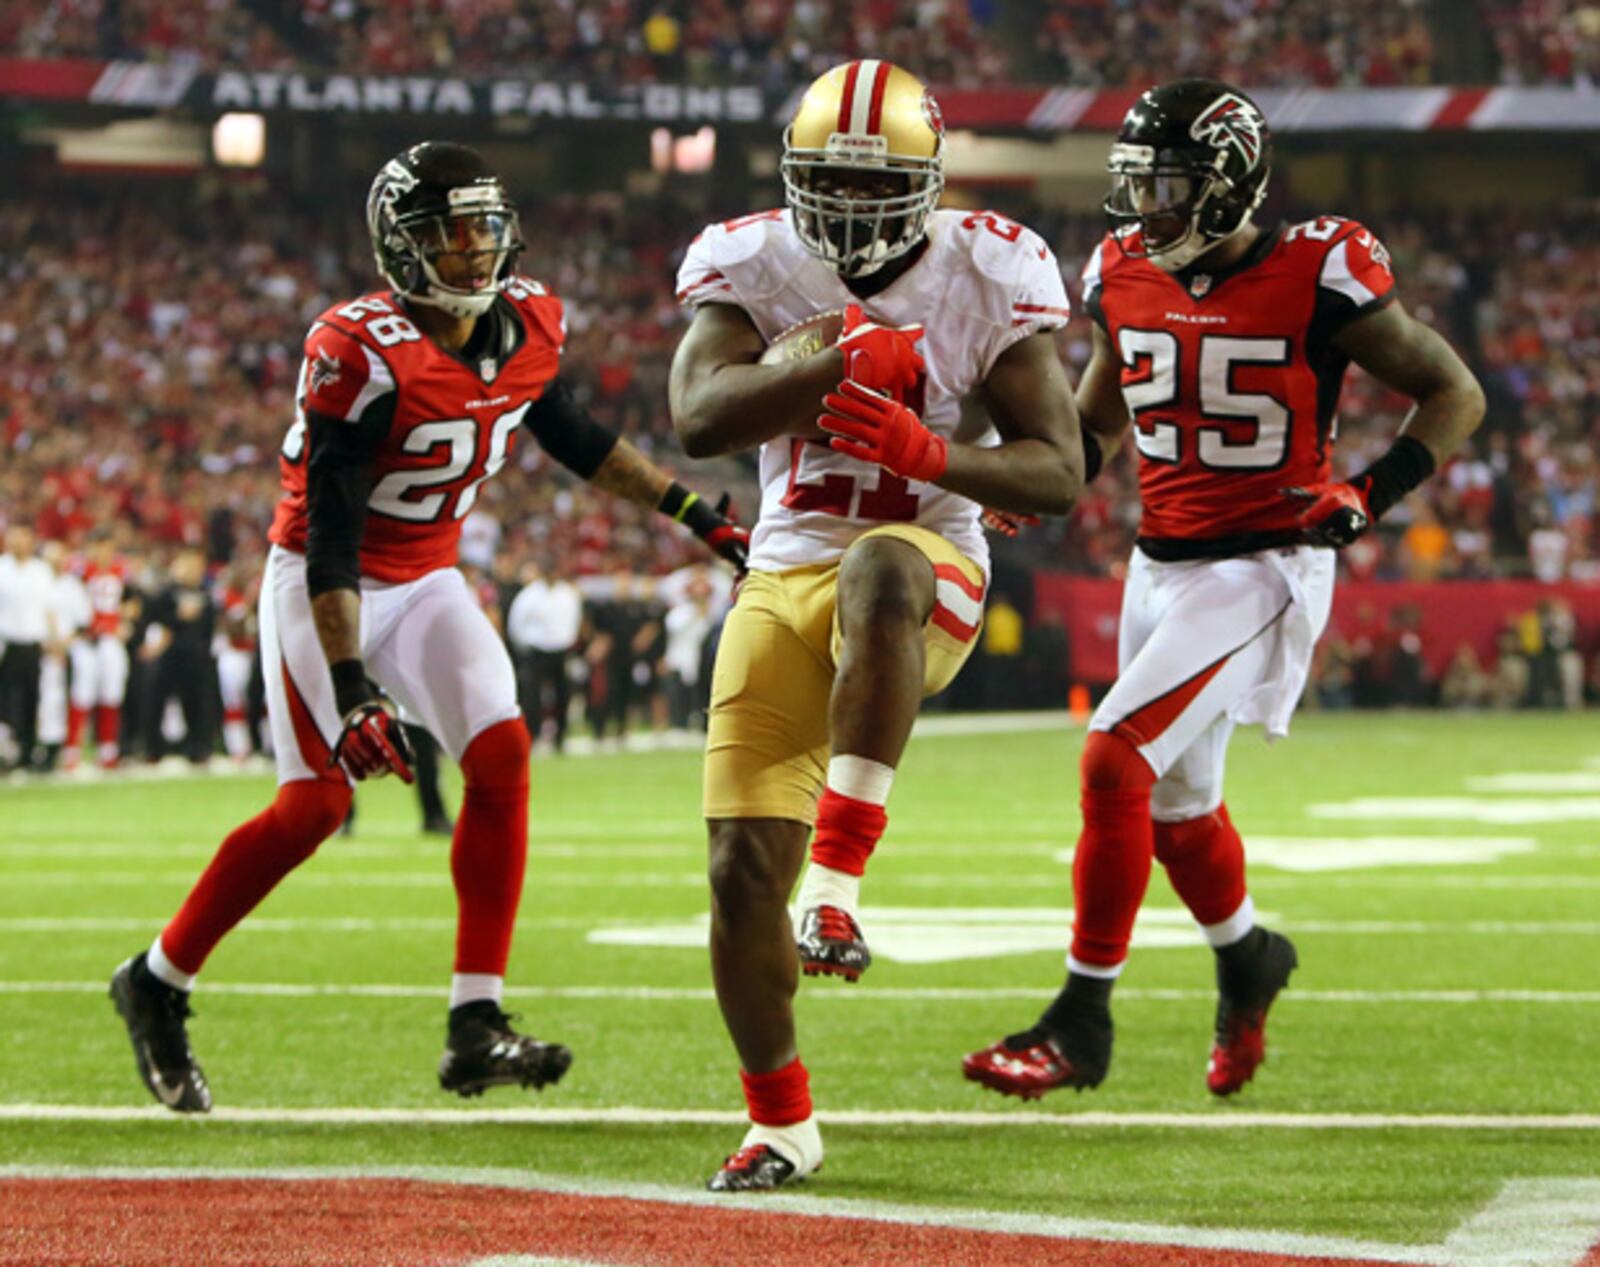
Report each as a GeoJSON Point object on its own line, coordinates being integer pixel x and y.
{"type": "Point", "coordinates": [540, 306]}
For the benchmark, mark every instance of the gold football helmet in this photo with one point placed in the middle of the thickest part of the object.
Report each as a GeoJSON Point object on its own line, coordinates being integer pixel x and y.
{"type": "Point", "coordinates": [863, 165]}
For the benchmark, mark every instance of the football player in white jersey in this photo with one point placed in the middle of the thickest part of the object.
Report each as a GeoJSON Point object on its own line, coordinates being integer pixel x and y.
{"type": "Point", "coordinates": [868, 565]}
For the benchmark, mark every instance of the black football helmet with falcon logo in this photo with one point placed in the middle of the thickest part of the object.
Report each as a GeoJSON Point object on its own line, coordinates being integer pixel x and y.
{"type": "Point", "coordinates": [1189, 166]}
{"type": "Point", "coordinates": [439, 198]}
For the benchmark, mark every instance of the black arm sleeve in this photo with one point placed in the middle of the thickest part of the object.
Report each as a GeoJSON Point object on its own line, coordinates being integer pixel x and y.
{"type": "Point", "coordinates": [567, 433]}
{"type": "Point", "coordinates": [339, 479]}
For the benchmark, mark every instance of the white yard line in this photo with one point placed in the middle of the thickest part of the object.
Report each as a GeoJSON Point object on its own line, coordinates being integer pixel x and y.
{"type": "Point", "coordinates": [1219, 1120]}
{"type": "Point", "coordinates": [359, 924]}
{"type": "Point", "coordinates": [823, 993]}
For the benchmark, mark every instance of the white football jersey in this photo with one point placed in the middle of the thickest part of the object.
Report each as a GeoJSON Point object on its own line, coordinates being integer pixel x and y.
{"type": "Point", "coordinates": [983, 283]}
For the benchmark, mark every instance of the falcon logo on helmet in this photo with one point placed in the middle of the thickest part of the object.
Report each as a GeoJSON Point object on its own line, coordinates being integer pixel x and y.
{"type": "Point", "coordinates": [1231, 120]}
{"type": "Point", "coordinates": [863, 165]}
{"type": "Point", "coordinates": [1188, 169]}
{"type": "Point", "coordinates": [437, 200]}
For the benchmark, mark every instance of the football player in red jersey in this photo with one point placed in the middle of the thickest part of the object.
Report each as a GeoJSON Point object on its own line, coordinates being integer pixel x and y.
{"type": "Point", "coordinates": [409, 399]}
{"type": "Point", "coordinates": [1223, 346]}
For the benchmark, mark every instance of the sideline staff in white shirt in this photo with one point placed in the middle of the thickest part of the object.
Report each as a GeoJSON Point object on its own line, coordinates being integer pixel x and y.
{"type": "Point", "coordinates": [542, 627]}
{"type": "Point", "coordinates": [27, 584]}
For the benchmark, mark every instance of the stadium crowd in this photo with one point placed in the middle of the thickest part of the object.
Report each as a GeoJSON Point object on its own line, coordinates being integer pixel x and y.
{"type": "Point", "coordinates": [780, 43]}
{"type": "Point", "coordinates": [148, 364]}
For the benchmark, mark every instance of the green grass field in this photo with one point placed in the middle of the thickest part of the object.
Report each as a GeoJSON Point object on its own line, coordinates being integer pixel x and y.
{"type": "Point", "coordinates": [1433, 986]}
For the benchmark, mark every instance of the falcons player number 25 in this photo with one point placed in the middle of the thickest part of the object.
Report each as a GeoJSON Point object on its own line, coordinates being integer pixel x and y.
{"type": "Point", "coordinates": [1220, 357]}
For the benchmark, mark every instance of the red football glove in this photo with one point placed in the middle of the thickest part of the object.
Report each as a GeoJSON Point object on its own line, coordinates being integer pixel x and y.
{"type": "Point", "coordinates": [1335, 514]}
{"type": "Point", "coordinates": [883, 358]}
{"type": "Point", "coordinates": [728, 537]}
{"type": "Point", "coordinates": [1008, 523]}
{"type": "Point", "coordinates": [373, 744]}
{"type": "Point", "coordinates": [872, 427]}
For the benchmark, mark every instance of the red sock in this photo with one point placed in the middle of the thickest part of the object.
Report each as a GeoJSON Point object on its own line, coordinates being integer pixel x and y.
{"type": "Point", "coordinates": [77, 719]}
{"type": "Point", "coordinates": [107, 725]}
{"type": "Point", "coordinates": [251, 862]}
{"type": "Point", "coordinates": [1204, 858]}
{"type": "Point", "coordinates": [779, 1098]}
{"type": "Point", "coordinates": [848, 831]}
{"type": "Point", "coordinates": [490, 849]}
{"type": "Point", "coordinates": [1111, 868]}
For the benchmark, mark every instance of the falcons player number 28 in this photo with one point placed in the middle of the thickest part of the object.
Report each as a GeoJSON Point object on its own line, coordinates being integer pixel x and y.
{"type": "Point", "coordinates": [458, 438]}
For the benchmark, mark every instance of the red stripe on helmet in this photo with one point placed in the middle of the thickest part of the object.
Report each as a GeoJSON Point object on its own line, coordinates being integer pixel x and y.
{"type": "Point", "coordinates": [880, 83]}
{"type": "Point", "coordinates": [848, 96]}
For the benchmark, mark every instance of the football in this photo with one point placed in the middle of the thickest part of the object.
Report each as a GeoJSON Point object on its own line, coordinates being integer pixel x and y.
{"type": "Point", "coordinates": [805, 338]}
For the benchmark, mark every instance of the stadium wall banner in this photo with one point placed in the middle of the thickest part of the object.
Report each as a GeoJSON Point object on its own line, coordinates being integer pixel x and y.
{"type": "Point", "coordinates": [1452, 612]}
{"type": "Point", "coordinates": [153, 85]}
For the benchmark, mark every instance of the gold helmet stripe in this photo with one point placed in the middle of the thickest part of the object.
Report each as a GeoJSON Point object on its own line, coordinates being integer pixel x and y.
{"type": "Point", "coordinates": [861, 102]}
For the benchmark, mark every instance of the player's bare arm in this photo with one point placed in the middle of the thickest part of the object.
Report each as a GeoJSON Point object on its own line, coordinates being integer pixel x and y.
{"type": "Point", "coordinates": [1038, 467]}
{"type": "Point", "coordinates": [1411, 357]}
{"type": "Point", "coordinates": [723, 402]}
{"type": "Point", "coordinates": [628, 474]}
{"type": "Point", "coordinates": [1101, 405]}
{"type": "Point", "coordinates": [1403, 353]}
{"type": "Point", "coordinates": [568, 433]}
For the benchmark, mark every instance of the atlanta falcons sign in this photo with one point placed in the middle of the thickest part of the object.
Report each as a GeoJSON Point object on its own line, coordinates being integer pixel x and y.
{"type": "Point", "coordinates": [1231, 120]}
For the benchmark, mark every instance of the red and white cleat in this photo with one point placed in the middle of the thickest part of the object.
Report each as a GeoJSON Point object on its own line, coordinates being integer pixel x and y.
{"type": "Point", "coordinates": [1029, 1064]}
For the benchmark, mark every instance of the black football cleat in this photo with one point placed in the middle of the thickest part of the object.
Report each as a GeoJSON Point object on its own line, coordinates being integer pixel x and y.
{"type": "Point", "coordinates": [154, 1013]}
{"type": "Point", "coordinates": [754, 1168]}
{"type": "Point", "coordinates": [483, 1051]}
{"type": "Point", "coordinates": [831, 943]}
{"type": "Point", "coordinates": [1246, 987]}
{"type": "Point", "coordinates": [1076, 1054]}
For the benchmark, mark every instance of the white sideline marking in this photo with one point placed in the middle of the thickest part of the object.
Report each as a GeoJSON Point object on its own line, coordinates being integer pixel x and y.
{"type": "Point", "coordinates": [820, 993]}
{"type": "Point", "coordinates": [1530, 1222]}
{"type": "Point", "coordinates": [1044, 1225]}
{"type": "Point", "coordinates": [1219, 1120]}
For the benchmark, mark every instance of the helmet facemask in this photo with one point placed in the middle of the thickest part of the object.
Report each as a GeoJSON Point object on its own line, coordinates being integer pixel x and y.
{"type": "Point", "coordinates": [1170, 211]}
{"type": "Point", "coordinates": [854, 205]}
{"type": "Point", "coordinates": [453, 257]}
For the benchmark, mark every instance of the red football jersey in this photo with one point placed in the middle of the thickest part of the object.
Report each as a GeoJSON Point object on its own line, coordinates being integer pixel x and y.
{"type": "Point", "coordinates": [451, 430]}
{"type": "Point", "coordinates": [1232, 378]}
{"type": "Point", "coordinates": [105, 586]}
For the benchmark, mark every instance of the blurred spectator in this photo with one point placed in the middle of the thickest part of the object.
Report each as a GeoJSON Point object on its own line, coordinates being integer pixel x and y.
{"type": "Point", "coordinates": [1465, 684]}
{"type": "Point", "coordinates": [1510, 686]}
{"type": "Point", "coordinates": [688, 624]}
{"type": "Point", "coordinates": [542, 627]}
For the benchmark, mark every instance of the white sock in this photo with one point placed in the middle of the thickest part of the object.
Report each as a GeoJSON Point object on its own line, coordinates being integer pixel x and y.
{"type": "Point", "coordinates": [165, 971]}
{"type": "Point", "coordinates": [799, 1143]}
{"type": "Point", "coordinates": [476, 987]}
{"type": "Point", "coordinates": [1095, 969]}
{"type": "Point", "coordinates": [1235, 928]}
{"type": "Point", "coordinates": [823, 886]}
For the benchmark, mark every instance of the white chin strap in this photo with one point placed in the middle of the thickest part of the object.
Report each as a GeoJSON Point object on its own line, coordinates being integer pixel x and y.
{"type": "Point", "coordinates": [1191, 247]}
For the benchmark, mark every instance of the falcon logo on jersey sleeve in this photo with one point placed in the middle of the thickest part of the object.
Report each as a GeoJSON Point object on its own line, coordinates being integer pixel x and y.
{"type": "Point", "coordinates": [324, 371]}
{"type": "Point", "coordinates": [1230, 120]}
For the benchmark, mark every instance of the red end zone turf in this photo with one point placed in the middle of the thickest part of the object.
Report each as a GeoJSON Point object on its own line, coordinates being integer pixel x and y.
{"type": "Point", "coordinates": [365, 1222]}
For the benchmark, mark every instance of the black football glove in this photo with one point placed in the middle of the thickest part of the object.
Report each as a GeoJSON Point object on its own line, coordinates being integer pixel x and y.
{"type": "Point", "coordinates": [372, 742]}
